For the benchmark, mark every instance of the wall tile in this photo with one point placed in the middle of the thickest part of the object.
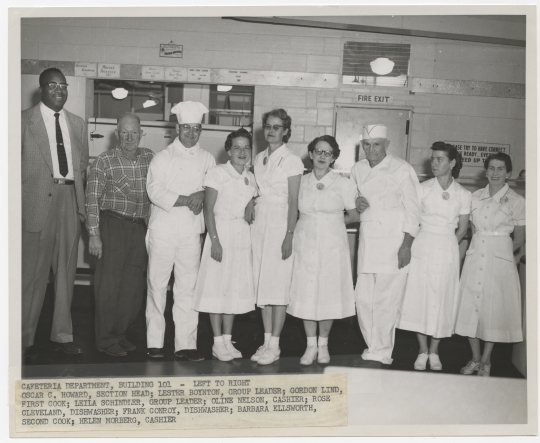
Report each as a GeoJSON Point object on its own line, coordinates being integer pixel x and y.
{"type": "Point", "coordinates": [29, 50]}
{"type": "Point", "coordinates": [289, 62]}
{"type": "Point", "coordinates": [297, 134]}
{"type": "Point", "coordinates": [307, 45]}
{"type": "Point", "coordinates": [287, 98]}
{"type": "Point", "coordinates": [326, 64]}
{"type": "Point", "coordinates": [302, 116]}
{"type": "Point", "coordinates": [312, 132]}
{"type": "Point", "coordinates": [333, 46]}
{"type": "Point", "coordinates": [325, 117]}
{"type": "Point", "coordinates": [120, 54]}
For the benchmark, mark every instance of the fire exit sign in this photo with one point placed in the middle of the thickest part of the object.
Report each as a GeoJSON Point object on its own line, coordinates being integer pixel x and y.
{"type": "Point", "coordinates": [378, 99]}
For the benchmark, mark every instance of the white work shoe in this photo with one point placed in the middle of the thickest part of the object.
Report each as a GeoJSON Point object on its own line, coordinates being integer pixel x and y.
{"type": "Point", "coordinates": [221, 352]}
{"type": "Point", "coordinates": [324, 356]}
{"type": "Point", "coordinates": [435, 362]}
{"type": "Point", "coordinates": [269, 356]}
{"type": "Point", "coordinates": [232, 350]}
{"type": "Point", "coordinates": [257, 355]}
{"type": "Point", "coordinates": [309, 356]}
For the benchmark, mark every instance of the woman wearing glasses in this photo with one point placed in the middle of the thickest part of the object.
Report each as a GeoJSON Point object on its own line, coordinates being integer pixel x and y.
{"type": "Point", "coordinates": [225, 281]}
{"type": "Point", "coordinates": [322, 284]}
{"type": "Point", "coordinates": [490, 305]}
{"type": "Point", "coordinates": [278, 172]}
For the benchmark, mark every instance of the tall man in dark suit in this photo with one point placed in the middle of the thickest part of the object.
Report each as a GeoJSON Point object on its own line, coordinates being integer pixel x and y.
{"type": "Point", "coordinates": [54, 160]}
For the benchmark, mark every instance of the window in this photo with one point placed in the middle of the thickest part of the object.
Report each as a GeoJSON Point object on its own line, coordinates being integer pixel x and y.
{"type": "Point", "coordinates": [375, 64]}
{"type": "Point", "coordinates": [231, 105]}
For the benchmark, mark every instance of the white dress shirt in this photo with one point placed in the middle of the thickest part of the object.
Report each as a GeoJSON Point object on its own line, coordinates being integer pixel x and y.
{"type": "Point", "coordinates": [50, 125]}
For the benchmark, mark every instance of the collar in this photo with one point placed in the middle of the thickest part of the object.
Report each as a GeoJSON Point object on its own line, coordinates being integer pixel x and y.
{"type": "Point", "coordinates": [233, 172]}
{"type": "Point", "coordinates": [181, 149]}
{"type": "Point", "coordinates": [439, 188]}
{"type": "Point", "coordinates": [383, 164]}
{"type": "Point", "coordinates": [278, 153]}
{"type": "Point", "coordinates": [119, 153]}
{"type": "Point", "coordinates": [326, 180]}
{"type": "Point", "coordinates": [48, 112]}
{"type": "Point", "coordinates": [497, 197]}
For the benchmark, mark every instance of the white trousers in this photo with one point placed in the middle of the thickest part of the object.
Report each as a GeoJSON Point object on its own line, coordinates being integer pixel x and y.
{"type": "Point", "coordinates": [378, 304]}
{"type": "Point", "coordinates": [165, 251]}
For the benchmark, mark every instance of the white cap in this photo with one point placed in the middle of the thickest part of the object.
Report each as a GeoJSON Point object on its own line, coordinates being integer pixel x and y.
{"type": "Point", "coordinates": [189, 112]}
{"type": "Point", "coordinates": [374, 131]}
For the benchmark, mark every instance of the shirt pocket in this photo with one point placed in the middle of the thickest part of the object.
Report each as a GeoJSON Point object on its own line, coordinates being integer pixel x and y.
{"type": "Point", "coordinates": [121, 183]}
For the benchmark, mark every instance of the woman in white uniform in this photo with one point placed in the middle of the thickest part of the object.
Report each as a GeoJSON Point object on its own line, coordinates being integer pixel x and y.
{"type": "Point", "coordinates": [278, 172]}
{"type": "Point", "coordinates": [490, 304]}
{"type": "Point", "coordinates": [225, 281]}
{"type": "Point", "coordinates": [322, 285]}
{"type": "Point", "coordinates": [432, 292]}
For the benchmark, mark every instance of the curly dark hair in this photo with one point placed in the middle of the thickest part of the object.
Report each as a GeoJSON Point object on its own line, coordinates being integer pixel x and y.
{"type": "Point", "coordinates": [239, 133]}
{"type": "Point", "coordinates": [328, 139]}
{"type": "Point", "coordinates": [285, 118]}
{"type": "Point", "coordinates": [47, 71]}
{"type": "Point", "coordinates": [501, 156]}
{"type": "Point", "coordinates": [452, 153]}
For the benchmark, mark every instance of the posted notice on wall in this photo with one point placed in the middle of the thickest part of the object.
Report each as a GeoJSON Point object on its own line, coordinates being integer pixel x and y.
{"type": "Point", "coordinates": [181, 403]}
{"type": "Point", "coordinates": [474, 154]}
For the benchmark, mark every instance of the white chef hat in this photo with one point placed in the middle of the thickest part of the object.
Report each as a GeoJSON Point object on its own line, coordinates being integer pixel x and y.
{"type": "Point", "coordinates": [189, 112]}
{"type": "Point", "coordinates": [374, 131]}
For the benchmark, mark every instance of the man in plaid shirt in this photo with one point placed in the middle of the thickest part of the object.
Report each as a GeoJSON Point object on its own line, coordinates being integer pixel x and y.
{"type": "Point", "coordinates": [118, 210]}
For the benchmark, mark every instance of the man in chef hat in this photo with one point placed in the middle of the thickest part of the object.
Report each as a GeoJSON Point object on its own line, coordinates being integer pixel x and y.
{"type": "Point", "coordinates": [390, 217]}
{"type": "Point", "coordinates": [174, 186]}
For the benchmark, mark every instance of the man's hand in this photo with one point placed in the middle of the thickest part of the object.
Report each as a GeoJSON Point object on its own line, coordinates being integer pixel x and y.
{"type": "Point", "coordinates": [96, 247]}
{"type": "Point", "coordinates": [361, 204]}
{"type": "Point", "coordinates": [249, 213]}
{"type": "Point", "coordinates": [195, 202]}
{"type": "Point", "coordinates": [286, 247]}
{"type": "Point", "coordinates": [404, 253]}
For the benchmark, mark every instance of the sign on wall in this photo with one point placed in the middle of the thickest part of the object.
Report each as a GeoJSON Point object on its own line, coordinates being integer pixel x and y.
{"type": "Point", "coordinates": [376, 99]}
{"type": "Point", "coordinates": [153, 72]}
{"type": "Point", "coordinates": [108, 70]}
{"type": "Point", "coordinates": [176, 74]}
{"type": "Point", "coordinates": [474, 154]}
{"type": "Point", "coordinates": [171, 50]}
{"type": "Point", "coordinates": [85, 69]}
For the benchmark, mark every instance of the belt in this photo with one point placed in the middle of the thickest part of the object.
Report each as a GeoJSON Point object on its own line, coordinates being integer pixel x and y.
{"type": "Point", "coordinates": [445, 230]}
{"type": "Point", "coordinates": [136, 220]}
{"type": "Point", "coordinates": [502, 234]}
{"type": "Point", "coordinates": [63, 181]}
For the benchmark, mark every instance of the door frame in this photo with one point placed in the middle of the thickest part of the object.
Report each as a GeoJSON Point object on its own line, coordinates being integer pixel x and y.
{"type": "Point", "coordinates": [387, 107]}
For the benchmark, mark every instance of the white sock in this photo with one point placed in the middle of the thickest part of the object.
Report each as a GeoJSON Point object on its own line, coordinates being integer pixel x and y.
{"type": "Point", "coordinates": [227, 338]}
{"type": "Point", "coordinates": [267, 336]}
{"type": "Point", "coordinates": [323, 341]}
{"type": "Point", "coordinates": [218, 340]}
{"type": "Point", "coordinates": [312, 341]}
{"type": "Point", "coordinates": [274, 342]}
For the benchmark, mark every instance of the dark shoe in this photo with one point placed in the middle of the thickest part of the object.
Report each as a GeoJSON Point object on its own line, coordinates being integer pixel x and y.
{"type": "Point", "coordinates": [127, 345]}
{"type": "Point", "coordinates": [67, 348]}
{"type": "Point", "coordinates": [115, 350]}
{"type": "Point", "coordinates": [188, 354]}
{"type": "Point", "coordinates": [155, 353]}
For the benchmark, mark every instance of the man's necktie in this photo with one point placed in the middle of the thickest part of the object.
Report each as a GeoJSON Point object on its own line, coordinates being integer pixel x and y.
{"type": "Point", "coordinates": [62, 159]}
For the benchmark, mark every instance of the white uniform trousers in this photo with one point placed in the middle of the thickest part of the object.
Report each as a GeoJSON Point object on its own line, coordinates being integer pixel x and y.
{"type": "Point", "coordinates": [165, 251]}
{"type": "Point", "coordinates": [378, 304]}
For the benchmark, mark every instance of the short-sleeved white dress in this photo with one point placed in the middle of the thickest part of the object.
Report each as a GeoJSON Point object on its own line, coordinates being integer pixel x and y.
{"type": "Point", "coordinates": [272, 274]}
{"type": "Point", "coordinates": [490, 304]}
{"type": "Point", "coordinates": [432, 292]}
{"type": "Point", "coordinates": [226, 287]}
{"type": "Point", "coordinates": [322, 284]}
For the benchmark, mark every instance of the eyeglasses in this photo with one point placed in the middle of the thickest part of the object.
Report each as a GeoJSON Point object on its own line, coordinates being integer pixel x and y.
{"type": "Point", "coordinates": [191, 128]}
{"type": "Point", "coordinates": [322, 151]}
{"type": "Point", "coordinates": [274, 127]}
{"type": "Point", "coordinates": [54, 85]}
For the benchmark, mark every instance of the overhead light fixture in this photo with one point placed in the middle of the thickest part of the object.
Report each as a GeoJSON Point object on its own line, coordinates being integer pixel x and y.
{"type": "Point", "coordinates": [149, 103]}
{"type": "Point", "coordinates": [120, 93]}
{"type": "Point", "coordinates": [382, 66]}
{"type": "Point", "coordinates": [224, 88]}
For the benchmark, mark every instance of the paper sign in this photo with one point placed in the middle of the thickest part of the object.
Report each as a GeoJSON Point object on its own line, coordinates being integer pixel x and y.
{"type": "Point", "coordinates": [176, 74]}
{"type": "Point", "coordinates": [85, 69]}
{"type": "Point", "coordinates": [474, 154]}
{"type": "Point", "coordinates": [108, 70]}
{"type": "Point", "coordinates": [153, 72]}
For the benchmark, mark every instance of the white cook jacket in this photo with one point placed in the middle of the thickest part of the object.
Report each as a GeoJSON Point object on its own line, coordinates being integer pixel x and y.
{"type": "Point", "coordinates": [176, 171]}
{"type": "Point", "coordinates": [392, 190]}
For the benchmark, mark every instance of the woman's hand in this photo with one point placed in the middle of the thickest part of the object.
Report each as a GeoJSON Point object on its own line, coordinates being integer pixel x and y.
{"type": "Point", "coordinates": [286, 247]}
{"type": "Point", "coordinates": [216, 252]}
{"type": "Point", "coordinates": [361, 204]}
{"type": "Point", "coordinates": [249, 213]}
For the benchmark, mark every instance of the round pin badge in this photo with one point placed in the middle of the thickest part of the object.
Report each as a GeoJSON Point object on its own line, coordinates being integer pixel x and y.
{"type": "Point", "coordinates": [320, 186]}
{"type": "Point", "coordinates": [246, 181]}
{"type": "Point", "coordinates": [445, 195]}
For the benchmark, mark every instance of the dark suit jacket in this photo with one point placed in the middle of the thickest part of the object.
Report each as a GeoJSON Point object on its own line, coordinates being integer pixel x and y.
{"type": "Point", "coordinates": [37, 169]}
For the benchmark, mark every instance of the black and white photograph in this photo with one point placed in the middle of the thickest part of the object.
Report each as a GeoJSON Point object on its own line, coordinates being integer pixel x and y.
{"type": "Point", "coordinates": [252, 192]}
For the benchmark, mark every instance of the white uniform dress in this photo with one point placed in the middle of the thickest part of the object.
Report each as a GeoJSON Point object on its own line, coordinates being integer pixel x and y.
{"type": "Point", "coordinates": [174, 240]}
{"type": "Point", "coordinates": [490, 305]}
{"type": "Point", "coordinates": [226, 287]}
{"type": "Point", "coordinates": [392, 190]}
{"type": "Point", "coordinates": [432, 291]}
{"type": "Point", "coordinates": [272, 274]}
{"type": "Point", "coordinates": [322, 284]}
